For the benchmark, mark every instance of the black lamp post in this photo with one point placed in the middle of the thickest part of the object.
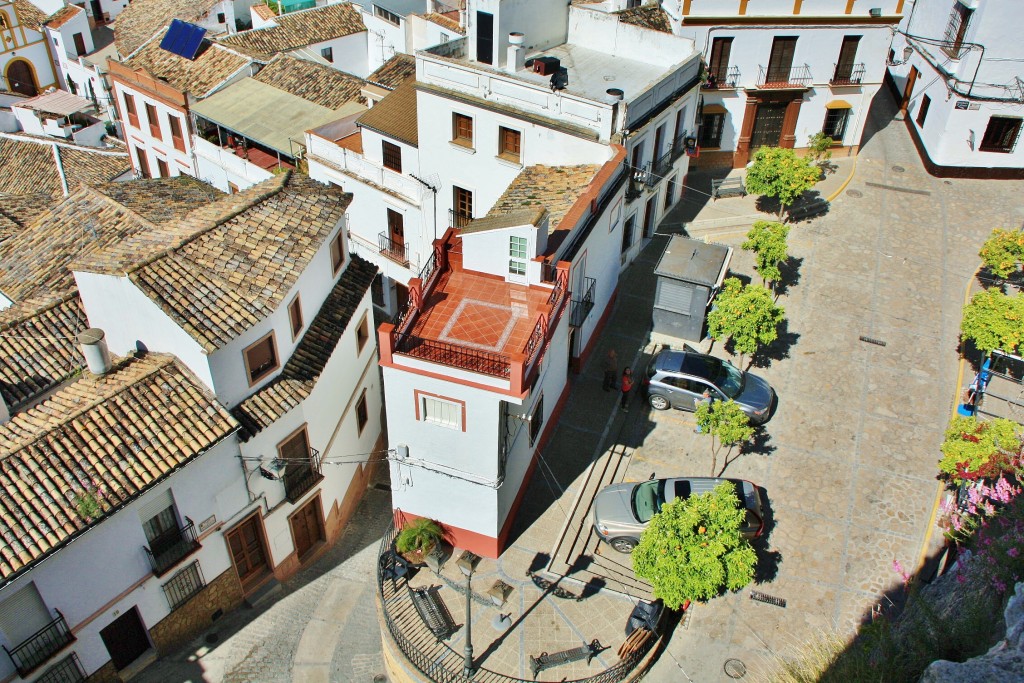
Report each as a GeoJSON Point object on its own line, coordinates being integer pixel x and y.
{"type": "Point", "coordinates": [467, 563]}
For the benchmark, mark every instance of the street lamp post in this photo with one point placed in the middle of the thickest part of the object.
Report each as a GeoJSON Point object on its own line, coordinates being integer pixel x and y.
{"type": "Point", "coordinates": [467, 563]}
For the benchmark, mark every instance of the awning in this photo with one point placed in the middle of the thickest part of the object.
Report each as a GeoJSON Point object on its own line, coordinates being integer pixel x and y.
{"type": "Point", "coordinates": [714, 109]}
{"type": "Point", "coordinates": [58, 103]}
{"type": "Point", "coordinates": [838, 104]}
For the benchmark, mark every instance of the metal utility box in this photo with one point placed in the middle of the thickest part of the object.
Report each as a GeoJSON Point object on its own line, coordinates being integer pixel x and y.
{"type": "Point", "coordinates": [689, 273]}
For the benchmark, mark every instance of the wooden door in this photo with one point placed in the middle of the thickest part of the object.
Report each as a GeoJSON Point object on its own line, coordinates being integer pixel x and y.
{"type": "Point", "coordinates": [307, 527]}
{"type": "Point", "coordinates": [781, 61]}
{"type": "Point", "coordinates": [908, 92]}
{"type": "Point", "coordinates": [20, 78]}
{"type": "Point", "coordinates": [658, 135]}
{"type": "Point", "coordinates": [125, 638]}
{"type": "Point", "coordinates": [246, 544]}
{"type": "Point", "coordinates": [767, 125]}
{"type": "Point", "coordinates": [649, 211]}
{"type": "Point", "coordinates": [396, 231]}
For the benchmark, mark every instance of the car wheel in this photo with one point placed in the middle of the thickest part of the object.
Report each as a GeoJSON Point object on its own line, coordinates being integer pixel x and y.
{"type": "Point", "coordinates": [658, 402]}
{"type": "Point", "coordinates": [623, 545]}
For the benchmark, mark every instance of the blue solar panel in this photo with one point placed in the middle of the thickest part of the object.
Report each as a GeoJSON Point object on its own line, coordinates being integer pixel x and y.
{"type": "Point", "coordinates": [183, 39]}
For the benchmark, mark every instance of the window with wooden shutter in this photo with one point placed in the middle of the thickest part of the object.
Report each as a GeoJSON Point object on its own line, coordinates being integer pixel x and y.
{"type": "Point", "coordinates": [261, 359]}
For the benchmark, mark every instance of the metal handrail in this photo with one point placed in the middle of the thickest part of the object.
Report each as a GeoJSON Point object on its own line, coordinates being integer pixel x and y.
{"type": "Point", "coordinates": [455, 355]}
{"type": "Point", "coordinates": [395, 251]}
{"type": "Point", "coordinates": [661, 167]}
{"type": "Point", "coordinates": [726, 77]}
{"type": "Point", "coordinates": [35, 650]}
{"type": "Point", "coordinates": [171, 547]}
{"type": "Point", "coordinates": [847, 73]}
{"type": "Point", "coordinates": [783, 77]}
{"type": "Point", "coordinates": [457, 220]}
{"type": "Point", "coordinates": [581, 308]}
{"type": "Point", "coordinates": [308, 474]}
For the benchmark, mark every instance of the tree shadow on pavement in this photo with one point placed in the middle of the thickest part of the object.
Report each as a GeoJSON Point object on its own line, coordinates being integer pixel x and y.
{"type": "Point", "coordinates": [778, 349]}
{"type": "Point", "coordinates": [768, 560]}
{"type": "Point", "coordinates": [790, 269]}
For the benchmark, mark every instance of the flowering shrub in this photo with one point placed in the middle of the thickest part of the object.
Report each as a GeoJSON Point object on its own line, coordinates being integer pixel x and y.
{"type": "Point", "coordinates": [974, 449]}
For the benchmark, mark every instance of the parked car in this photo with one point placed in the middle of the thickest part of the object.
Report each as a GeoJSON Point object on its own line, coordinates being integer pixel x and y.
{"type": "Point", "coordinates": [680, 378]}
{"type": "Point", "coordinates": [622, 511]}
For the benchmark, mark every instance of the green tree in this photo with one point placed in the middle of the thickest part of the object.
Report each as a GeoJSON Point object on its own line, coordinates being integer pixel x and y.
{"type": "Point", "coordinates": [692, 549]}
{"type": "Point", "coordinates": [768, 242]}
{"type": "Point", "coordinates": [971, 446]}
{"type": "Point", "coordinates": [780, 173]}
{"type": "Point", "coordinates": [1003, 252]}
{"type": "Point", "coordinates": [747, 314]}
{"type": "Point", "coordinates": [819, 149]}
{"type": "Point", "coordinates": [994, 320]}
{"type": "Point", "coordinates": [727, 424]}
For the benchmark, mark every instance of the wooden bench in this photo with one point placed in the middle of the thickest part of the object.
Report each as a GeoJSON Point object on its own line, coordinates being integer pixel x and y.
{"type": "Point", "coordinates": [810, 209]}
{"type": "Point", "coordinates": [727, 186]}
{"type": "Point", "coordinates": [546, 661]}
{"type": "Point", "coordinates": [433, 612]}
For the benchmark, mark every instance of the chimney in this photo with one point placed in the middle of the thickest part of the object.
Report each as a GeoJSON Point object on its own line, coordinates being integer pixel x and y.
{"type": "Point", "coordinates": [614, 97]}
{"type": "Point", "coordinates": [94, 348]}
{"type": "Point", "coordinates": [515, 57]}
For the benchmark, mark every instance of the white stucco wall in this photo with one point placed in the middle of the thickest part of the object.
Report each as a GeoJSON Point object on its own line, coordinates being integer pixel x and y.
{"type": "Point", "coordinates": [221, 167]}
{"type": "Point", "coordinates": [350, 53]}
{"type": "Point", "coordinates": [141, 140]}
{"type": "Point", "coordinates": [383, 39]}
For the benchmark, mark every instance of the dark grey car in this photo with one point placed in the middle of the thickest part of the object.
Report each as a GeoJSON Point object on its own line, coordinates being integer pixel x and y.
{"type": "Point", "coordinates": [680, 378]}
{"type": "Point", "coordinates": [622, 511]}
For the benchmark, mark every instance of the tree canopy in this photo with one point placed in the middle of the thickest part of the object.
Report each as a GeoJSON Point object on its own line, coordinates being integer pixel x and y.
{"type": "Point", "coordinates": [1003, 252]}
{"type": "Point", "coordinates": [747, 314]}
{"type": "Point", "coordinates": [692, 549]}
{"type": "Point", "coordinates": [993, 320]}
{"type": "Point", "coordinates": [972, 448]}
{"type": "Point", "coordinates": [780, 173]}
{"type": "Point", "coordinates": [727, 424]}
{"type": "Point", "coordinates": [768, 242]}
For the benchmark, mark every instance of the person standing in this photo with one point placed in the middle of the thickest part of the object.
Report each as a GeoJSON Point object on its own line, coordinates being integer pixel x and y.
{"type": "Point", "coordinates": [626, 386]}
{"type": "Point", "coordinates": [705, 398]}
{"type": "Point", "coordinates": [611, 366]}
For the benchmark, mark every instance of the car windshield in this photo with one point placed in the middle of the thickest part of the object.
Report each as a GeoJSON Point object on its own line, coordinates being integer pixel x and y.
{"type": "Point", "coordinates": [729, 379]}
{"type": "Point", "coordinates": [647, 500]}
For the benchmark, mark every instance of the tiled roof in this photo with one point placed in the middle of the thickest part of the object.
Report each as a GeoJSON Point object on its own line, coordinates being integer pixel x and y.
{"type": "Point", "coordinates": [63, 15]}
{"type": "Point", "coordinates": [29, 15]}
{"type": "Point", "coordinates": [142, 18]}
{"type": "Point", "coordinates": [300, 373]}
{"type": "Point", "coordinates": [18, 210]}
{"type": "Point", "coordinates": [125, 431]}
{"type": "Point", "coordinates": [27, 166]}
{"type": "Point", "coordinates": [394, 72]}
{"type": "Point", "coordinates": [34, 262]}
{"type": "Point", "coordinates": [228, 264]}
{"type": "Point", "coordinates": [555, 188]}
{"type": "Point", "coordinates": [314, 82]}
{"type": "Point", "coordinates": [395, 115]}
{"type": "Point", "coordinates": [211, 67]}
{"type": "Point", "coordinates": [648, 16]}
{"type": "Point", "coordinates": [445, 22]}
{"type": "Point", "coordinates": [263, 11]}
{"type": "Point", "coordinates": [505, 219]}
{"type": "Point", "coordinates": [37, 347]}
{"type": "Point", "coordinates": [298, 29]}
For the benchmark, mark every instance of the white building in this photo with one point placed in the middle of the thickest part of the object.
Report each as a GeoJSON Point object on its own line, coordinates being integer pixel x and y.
{"type": "Point", "coordinates": [501, 196]}
{"type": "Point", "coordinates": [955, 65]}
{"type": "Point", "coordinates": [223, 448]}
{"type": "Point", "coordinates": [779, 71]}
{"type": "Point", "coordinates": [26, 65]}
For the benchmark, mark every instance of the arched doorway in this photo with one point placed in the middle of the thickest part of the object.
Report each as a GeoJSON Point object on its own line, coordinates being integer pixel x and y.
{"type": "Point", "coordinates": [21, 78]}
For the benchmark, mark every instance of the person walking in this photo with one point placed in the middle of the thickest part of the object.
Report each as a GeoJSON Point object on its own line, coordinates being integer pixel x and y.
{"type": "Point", "coordinates": [705, 398]}
{"type": "Point", "coordinates": [611, 367]}
{"type": "Point", "coordinates": [626, 384]}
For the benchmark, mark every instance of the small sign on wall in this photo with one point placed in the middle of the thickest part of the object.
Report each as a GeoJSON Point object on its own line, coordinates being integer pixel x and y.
{"type": "Point", "coordinates": [207, 523]}
{"type": "Point", "coordinates": [961, 104]}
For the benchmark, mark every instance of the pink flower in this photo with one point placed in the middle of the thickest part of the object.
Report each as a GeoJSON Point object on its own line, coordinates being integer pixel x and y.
{"type": "Point", "coordinates": [999, 585]}
{"type": "Point", "coordinates": [1013, 552]}
{"type": "Point", "coordinates": [960, 578]}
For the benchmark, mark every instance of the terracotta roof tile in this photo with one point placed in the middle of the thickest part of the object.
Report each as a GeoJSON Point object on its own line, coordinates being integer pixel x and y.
{"type": "Point", "coordinates": [300, 373]}
{"type": "Point", "coordinates": [263, 11]}
{"type": "Point", "coordinates": [647, 16]}
{"type": "Point", "coordinates": [125, 431]}
{"type": "Point", "coordinates": [395, 115]}
{"type": "Point", "coordinates": [142, 18]}
{"type": "Point", "coordinates": [555, 188]}
{"type": "Point", "coordinates": [37, 347]}
{"type": "Point", "coordinates": [27, 166]}
{"type": "Point", "coordinates": [445, 22]}
{"type": "Point", "coordinates": [211, 67]}
{"type": "Point", "coordinates": [63, 15]}
{"type": "Point", "coordinates": [30, 15]}
{"type": "Point", "coordinates": [314, 82]}
{"type": "Point", "coordinates": [394, 72]}
{"type": "Point", "coordinates": [18, 210]}
{"type": "Point", "coordinates": [298, 29]}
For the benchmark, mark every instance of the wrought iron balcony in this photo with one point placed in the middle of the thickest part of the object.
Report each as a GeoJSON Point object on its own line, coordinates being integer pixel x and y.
{"type": "Point", "coordinates": [300, 477]}
{"type": "Point", "coordinates": [455, 355]}
{"type": "Point", "coordinates": [171, 547]}
{"type": "Point", "coordinates": [718, 79]}
{"type": "Point", "coordinates": [396, 251]}
{"type": "Point", "coordinates": [457, 220]}
{"type": "Point", "coordinates": [35, 650]}
{"type": "Point", "coordinates": [847, 74]}
{"type": "Point", "coordinates": [67, 670]}
{"type": "Point", "coordinates": [638, 178]}
{"type": "Point", "coordinates": [581, 307]}
{"type": "Point", "coordinates": [661, 168]}
{"type": "Point", "coordinates": [784, 77]}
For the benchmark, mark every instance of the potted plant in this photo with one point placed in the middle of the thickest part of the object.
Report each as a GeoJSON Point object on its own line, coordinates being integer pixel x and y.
{"type": "Point", "coordinates": [417, 538]}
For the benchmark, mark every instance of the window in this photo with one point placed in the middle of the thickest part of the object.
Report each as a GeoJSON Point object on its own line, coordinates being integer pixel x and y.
{"type": "Point", "coordinates": [462, 130]}
{"type": "Point", "coordinates": [627, 233]}
{"type": "Point", "coordinates": [711, 130]}
{"type": "Point", "coordinates": [462, 200]}
{"type": "Point", "coordinates": [338, 252]}
{"type": "Point", "coordinates": [387, 16]}
{"type": "Point", "coordinates": [847, 56]}
{"type": "Point", "coordinates": [362, 333]}
{"type": "Point", "coordinates": [718, 64]}
{"type": "Point", "coordinates": [154, 122]}
{"type": "Point", "coordinates": [508, 143]}
{"type": "Point", "coordinates": [956, 30]}
{"type": "Point", "coordinates": [484, 37]}
{"type": "Point", "coordinates": [636, 159]}
{"type": "Point", "coordinates": [1000, 135]}
{"type": "Point", "coordinates": [680, 125]}
{"type": "Point", "coordinates": [295, 316]}
{"type": "Point", "coordinates": [143, 161]}
{"type": "Point", "coordinates": [163, 522]}
{"type": "Point", "coordinates": [537, 420]}
{"type": "Point", "coordinates": [79, 41]}
{"type": "Point", "coordinates": [517, 255]}
{"type": "Point", "coordinates": [362, 416]}
{"type": "Point", "coordinates": [922, 111]}
{"type": "Point", "coordinates": [176, 139]}
{"type": "Point", "coordinates": [261, 359]}
{"type": "Point", "coordinates": [835, 123]}
{"type": "Point", "coordinates": [780, 62]}
{"type": "Point", "coordinates": [328, 54]}
{"type": "Point", "coordinates": [670, 193]}
{"type": "Point", "coordinates": [184, 585]}
{"type": "Point", "coordinates": [440, 412]}
{"type": "Point", "coordinates": [392, 156]}
{"type": "Point", "coordinates": [221, 18]}
{"type": "Point", "coordinates": [161, 169]}
{"type": "Point", "coordinates": [445, 37]}
{"type": "Point", "coordinates": [129, 107]}
{"type": "Point", "coordinates": [73, 87]}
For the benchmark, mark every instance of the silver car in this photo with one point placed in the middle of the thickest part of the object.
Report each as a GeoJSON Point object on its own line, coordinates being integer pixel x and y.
{"type": "Point", "coordinates": [680, 378]}
{"type": "Point", "coordinates": [622, 511]}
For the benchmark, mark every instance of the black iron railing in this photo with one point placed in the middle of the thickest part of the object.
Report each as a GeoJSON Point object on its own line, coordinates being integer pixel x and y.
{"type": "Point", "coordinates": [535, 342]}
{"type": "Point", "coordinates": [300, 477]}
{"type": "Point", "coordinates": [784, 77]}
{"type": "Point", "coordinates": [183, 585]}
{"type": "Point", "coordinates": [426, 272]}
{"type": "Point", "coordinates": [457, 220]}
{"type": "Point", "coordinates": [847, 74]}
{"type": "Point", "coordinates": [171, 547]}
{"type": "Point", "coordinates": [33, 652]}
{"type": "Point", "coordinates": [396, 251]}
{"type": "Point", "coordinates": [454, 355]}
{"type": "Point", "coordinates": [725, 77]}
{"type": "Point", "coordinates": [581, 307]}
{"type": "Point", "coordinates": [662, 166]}
{"type": "Point", "coordinates": [67, 670]}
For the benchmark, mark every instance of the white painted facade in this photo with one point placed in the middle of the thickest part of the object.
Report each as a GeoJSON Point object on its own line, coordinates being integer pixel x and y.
{"type": "Point", "coordinates": [967, 89]}
{"type": "Point", "coordinates": [152, 140]}
{"type": "Point", "coordinates": [25, 62]}
{"type": "Point", "coordinates": [223, 169]}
